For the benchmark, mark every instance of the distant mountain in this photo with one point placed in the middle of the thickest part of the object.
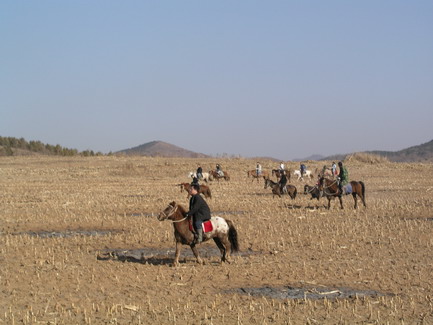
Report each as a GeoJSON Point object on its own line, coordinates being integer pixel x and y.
{"type": "Point", "coordinates": [161, 149]}
{"type": "Point", "coordinates": [420, 153]}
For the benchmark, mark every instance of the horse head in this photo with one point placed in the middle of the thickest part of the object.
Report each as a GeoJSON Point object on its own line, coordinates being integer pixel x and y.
{"type": "Point", "coordinates": [168, 212]}
{"type": "Point", "coordinates": [268, 182]}
{"type": "Point", "coordinates": [184, 186]}
{"type": "Point", "coordinates": [320, 183]}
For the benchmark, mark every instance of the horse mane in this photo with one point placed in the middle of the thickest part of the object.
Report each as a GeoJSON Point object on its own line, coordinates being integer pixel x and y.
{"type": "Point", "coordinates": [180, 207]}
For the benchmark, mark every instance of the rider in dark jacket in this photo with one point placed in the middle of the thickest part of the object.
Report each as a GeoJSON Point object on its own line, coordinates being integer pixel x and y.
{"type": "Point", "coordinates": [302, 169]}
{"type": "Point", "coordinates": [199, 210]}
{"type": "Point", "coordinates": [199, 172]}
{"type": "Point", "coordinates": [283, 182]}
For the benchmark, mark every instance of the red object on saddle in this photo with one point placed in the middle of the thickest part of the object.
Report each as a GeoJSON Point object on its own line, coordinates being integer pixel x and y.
{"type": "Point", "coordinates": [207, 226]}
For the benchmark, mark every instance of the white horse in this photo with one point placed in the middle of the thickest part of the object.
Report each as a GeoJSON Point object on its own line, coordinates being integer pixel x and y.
{"type": "Point", "coordinates": [206, 176]}
{"type": "Point", "coordinates": [307, 173]}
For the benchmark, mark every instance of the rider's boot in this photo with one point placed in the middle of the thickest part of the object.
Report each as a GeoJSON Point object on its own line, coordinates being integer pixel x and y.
{"type": "Point", "coordinates": [199, 237]}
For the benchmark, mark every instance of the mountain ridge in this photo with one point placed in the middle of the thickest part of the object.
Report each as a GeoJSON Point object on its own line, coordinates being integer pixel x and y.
{"type": "Point", "coordinates": [158, 148]}
{"type": "Point", "coordinates": [418, 153]}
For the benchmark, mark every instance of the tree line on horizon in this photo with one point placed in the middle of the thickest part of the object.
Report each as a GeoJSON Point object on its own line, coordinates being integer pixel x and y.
{"type": "Point", "coordinates": [10, 145]}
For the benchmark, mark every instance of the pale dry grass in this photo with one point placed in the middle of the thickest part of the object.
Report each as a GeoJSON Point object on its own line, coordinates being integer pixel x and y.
{"type": "Point", "coordinates": [386, 247]}
{"type": "Point", "coordinates": [367, 158]}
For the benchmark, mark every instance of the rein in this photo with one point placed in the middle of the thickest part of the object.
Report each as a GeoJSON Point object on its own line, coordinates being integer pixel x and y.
{"type": "Point", "coordinates": [179, 220]}
{"type": "Point", "coordinates": [173, 212]}
{"type": "Point", "coordinates": [334, 182]}
{"type": "Point", "coordinates": [329, 193]}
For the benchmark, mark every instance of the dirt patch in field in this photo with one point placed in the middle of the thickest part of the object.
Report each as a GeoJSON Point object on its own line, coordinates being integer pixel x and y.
{"type": "Point", "coordinates": [68, 233]}
{"type": "Point", "coordinates": [157, 256]}
{"type": "Point", "coordinates": [313, 293]}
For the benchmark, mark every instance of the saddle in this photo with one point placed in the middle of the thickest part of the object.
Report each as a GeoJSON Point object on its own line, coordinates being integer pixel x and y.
{"type": "Point", "coordinates": [347, 189]}
{"type": "Point", "coordinates": [207, 226]}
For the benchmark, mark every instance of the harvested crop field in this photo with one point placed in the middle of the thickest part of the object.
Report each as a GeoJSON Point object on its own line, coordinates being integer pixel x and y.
{"type": "Point", "coordinates": [80, 243]}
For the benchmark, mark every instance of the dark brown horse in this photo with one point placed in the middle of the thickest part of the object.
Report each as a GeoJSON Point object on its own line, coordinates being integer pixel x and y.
{"type": "Point", "coordinates": [204, 189]}
{"type": "Point", "coordinates": [253, 173]}
{"type": "Point", "coordinates": [217, 176]}
{"type": "Point", "coordinates": [313, 190]}
{"type": "Point", "coordinates": [277, 173]}
{"type": "Point", "coordinates": [224, 233]}
{"type": "Point", "coordinates": [290, 189]}
{"type": "Point", "coordinates": [330, 189]}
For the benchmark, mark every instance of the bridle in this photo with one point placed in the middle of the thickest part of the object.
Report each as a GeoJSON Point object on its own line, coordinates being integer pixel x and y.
{"type": "Point", "coordinates": [173, 211]}
{"type": "Point", "coordinates": [328, 186]}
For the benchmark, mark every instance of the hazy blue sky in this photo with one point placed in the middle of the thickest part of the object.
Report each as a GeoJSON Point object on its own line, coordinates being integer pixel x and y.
{"type": "Point", "coordinates": [285, 79]}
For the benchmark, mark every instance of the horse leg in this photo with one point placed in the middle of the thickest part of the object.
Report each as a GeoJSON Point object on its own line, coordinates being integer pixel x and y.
{"type": "Point", "coordinates": [177, 254]}
{"type": "Point", "coordinates": [341, 201]}
{"type": "Point", "coordinates": [363, 193]}
{"type": "Point", "coordinates": [227, 246]}
{"type": "Point", "coordinates": [363, 200]}
{"type": "Point", "coordinates": [329, 202]}
{"type": "Point", "coordinates": [195, 251]}
{"type": "Point", "coordinates": [221, 248]}
{"type": "Point", "coordinates": [355, 199]}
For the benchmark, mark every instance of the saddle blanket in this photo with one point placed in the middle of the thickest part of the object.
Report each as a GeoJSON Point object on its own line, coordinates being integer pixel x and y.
{"type": "Point", "coordinates": [347, 189]}
{"type": "Point", "coordinates": [207, 226]}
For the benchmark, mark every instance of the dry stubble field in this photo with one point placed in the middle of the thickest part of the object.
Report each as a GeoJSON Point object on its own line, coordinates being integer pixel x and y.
{"type": "Point", "coordinates": [59, 214]}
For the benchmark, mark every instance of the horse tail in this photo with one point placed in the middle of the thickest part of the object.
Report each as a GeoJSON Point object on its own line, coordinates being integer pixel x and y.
{"type": "Point", "coordinates": [233, 236]}
{"type": "Point", "coordinates": [363, 189]}
{"type": "Point", "coordinates": [294, 193]}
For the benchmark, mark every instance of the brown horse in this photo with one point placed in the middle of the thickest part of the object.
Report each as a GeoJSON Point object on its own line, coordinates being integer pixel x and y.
{"type": "Point", "coordinates": [253, 173]}
{"type": "Point", "coordinates": [290, 189]}
{"type": "Point", "coordinates": [313, 190]}
{"type": "Point", "coordinates": [277, 173]}
{"type": "Point", "coordinates": [224, 233]}
{"type": "Point", "coordinates": [330, 189]}
{"type": "Point", "coordinates": [205, 190]}
{"type": "Point", "coordinates": [217, 176]}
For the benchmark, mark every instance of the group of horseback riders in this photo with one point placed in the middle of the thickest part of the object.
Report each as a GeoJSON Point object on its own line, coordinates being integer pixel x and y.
{"type": "Point", "coordinates": [342, 177]}
{"type": "Point", "coordinates": [200, 212]}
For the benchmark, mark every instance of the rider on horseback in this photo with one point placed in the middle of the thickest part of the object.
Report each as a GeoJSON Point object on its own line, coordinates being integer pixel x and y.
{"type": "Point", "coordinates": [343, 176]}
{"type": "Point", "coordinates": [334, 169]}
{"type": "Point", "coordinates": [199, 210]}
{"type": "Point", "coordinates": [258, 169]}
{"type": "Point", "coordinates": [199, 172]}
{"type": "Point", "coordinates": [219, 170]}
{"type": "Point", "coordinates": [302, 169]}
{"type": "Point", "coordinates": [283, 182]}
